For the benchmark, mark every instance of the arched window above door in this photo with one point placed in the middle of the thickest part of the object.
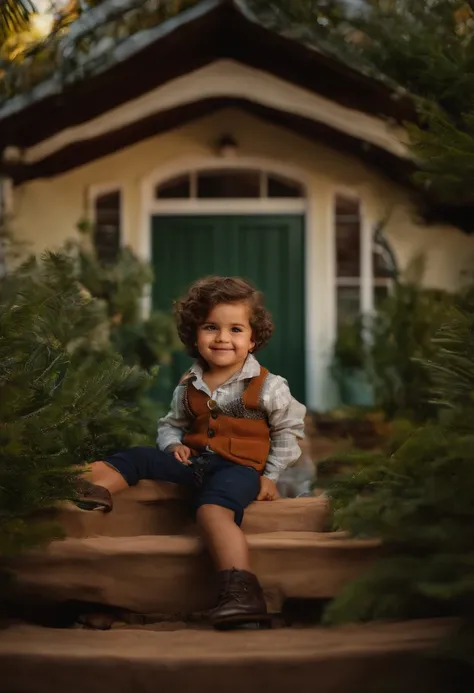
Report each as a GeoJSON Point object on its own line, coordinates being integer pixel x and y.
{"type": "Point", "coordinates": [218, 184]}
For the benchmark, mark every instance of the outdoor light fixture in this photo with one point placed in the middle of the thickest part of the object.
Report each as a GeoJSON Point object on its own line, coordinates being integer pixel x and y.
{"type": "Point", "coordinates": [11, 155]}
{"type": "Point", "coordinates": [227, 147]}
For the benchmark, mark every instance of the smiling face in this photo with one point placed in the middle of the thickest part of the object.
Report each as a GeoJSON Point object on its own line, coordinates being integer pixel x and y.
{"type": "Point", "coordinates": [225, 339]}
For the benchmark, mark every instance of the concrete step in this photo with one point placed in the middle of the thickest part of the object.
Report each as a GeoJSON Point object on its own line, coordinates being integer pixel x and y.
{"type": "Point", "coordinates": [360, 659]}
{"type": "Point", "coordinates": [173, 574]}
{"type": "Point", "coordinates": [152, 508]}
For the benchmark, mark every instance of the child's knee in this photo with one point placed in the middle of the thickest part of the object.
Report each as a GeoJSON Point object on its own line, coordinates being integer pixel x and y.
{"type": "Point", "coordinates": [104, 474]}
{"type": "Point", "coordinates": [216, 512]}
{"type": "Point", "coordinates": [98, 468]}
{"type": "Point", "coordinates": [128, 464]}
{"type": "Point", "coordinates": [212, 512]}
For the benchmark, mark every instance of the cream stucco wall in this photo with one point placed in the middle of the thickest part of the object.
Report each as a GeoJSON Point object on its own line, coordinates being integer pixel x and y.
{"type": "Point", "coordinates": [47, 211]}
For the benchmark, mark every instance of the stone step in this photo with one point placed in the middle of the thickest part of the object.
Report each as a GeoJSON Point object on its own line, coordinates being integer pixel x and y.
{"type": "Point", "coordinates": [173, 574]}
{"type": "Point", "coordinates": [373, 657]}
{"type": "Point", "coordinates": [152, 508]}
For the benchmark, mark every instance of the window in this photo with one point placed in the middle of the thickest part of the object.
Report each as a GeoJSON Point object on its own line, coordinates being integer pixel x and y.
{"type": "Point", "coordinates": [174, 189]}
{"type": "Point", "coordinates": [348, 258]}
{"type": "Point", "coordinates": [282, 187]}
{"type": "Point", "coordinates": [213, 185]}
{"type": "Point", "coordinates": [107, 221]}
{"type": "Point", "coordinates": [384, 268]}
{"type": "Point", "coordinates": [359, 287]}
{"type": "Point", "coordinates": [218, 184]}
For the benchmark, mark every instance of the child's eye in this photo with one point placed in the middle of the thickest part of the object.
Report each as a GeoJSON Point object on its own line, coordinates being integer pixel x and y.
{"type": "Point", "coordinates": [236, 329]}
{"type": "Point", "coordinates": [209, 327]}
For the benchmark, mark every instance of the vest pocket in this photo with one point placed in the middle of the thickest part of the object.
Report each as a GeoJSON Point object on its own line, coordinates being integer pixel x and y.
{"type": "Point", "coordinates": [254, 450]}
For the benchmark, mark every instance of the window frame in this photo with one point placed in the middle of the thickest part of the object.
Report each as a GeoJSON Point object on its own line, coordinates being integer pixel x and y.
{"type": "Point", "coordinates": [366, 282]}
{"type": "Point", "coordinates": [98, 190]}
{"type": "Point", "coordinates": [263, 197]}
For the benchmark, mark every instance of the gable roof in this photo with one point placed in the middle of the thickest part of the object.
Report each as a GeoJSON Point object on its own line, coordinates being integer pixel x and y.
{"type": "Point", "coordinates": [86, 85]}
{"type": "Point", "coordinates": [92, 49]}
{"type": "Point", "coordinates": [122, 49]}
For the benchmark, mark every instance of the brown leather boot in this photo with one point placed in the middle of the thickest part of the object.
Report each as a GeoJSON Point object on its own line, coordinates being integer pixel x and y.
{"type": "Point", "coordinates": [241, 601]}
{"type": "Point", "coordinates": [93, 497]}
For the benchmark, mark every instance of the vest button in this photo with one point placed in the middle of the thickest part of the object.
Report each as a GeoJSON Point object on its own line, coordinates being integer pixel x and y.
{"type": "Point", "coordinates": [211, 433]}
{"type": "Point", "coordinates": [214, 415]}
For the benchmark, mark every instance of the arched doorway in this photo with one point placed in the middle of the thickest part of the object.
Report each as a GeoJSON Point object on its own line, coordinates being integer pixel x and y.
{"type": "Point", "coordinates": [242, 221]}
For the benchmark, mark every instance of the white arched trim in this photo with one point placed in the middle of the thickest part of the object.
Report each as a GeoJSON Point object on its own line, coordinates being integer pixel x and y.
{"type": "Point", "coordinates": [230, 79]}
{"type": "Point", "coordinates": [151, 206]}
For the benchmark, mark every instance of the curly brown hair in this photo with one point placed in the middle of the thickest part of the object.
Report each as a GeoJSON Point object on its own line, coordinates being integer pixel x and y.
{"type": "Point", "coordinates": [192, 310]}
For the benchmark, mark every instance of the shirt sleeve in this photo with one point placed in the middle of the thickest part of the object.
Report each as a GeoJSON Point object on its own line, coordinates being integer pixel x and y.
{"type": "Point", "coordinates": [173, 426]}
{"type": "Point", "coordinates": [286, 419]}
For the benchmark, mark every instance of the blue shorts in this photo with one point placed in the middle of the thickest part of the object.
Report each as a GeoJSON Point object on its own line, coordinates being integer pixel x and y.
{"type": "Point", "coordinates": [216, 480]}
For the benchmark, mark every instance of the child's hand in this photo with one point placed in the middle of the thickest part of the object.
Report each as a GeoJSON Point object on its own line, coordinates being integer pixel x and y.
{"type": "Point", "coordinates": [182, 453]}
{"type": "Point", "coordinates": [268, 490]}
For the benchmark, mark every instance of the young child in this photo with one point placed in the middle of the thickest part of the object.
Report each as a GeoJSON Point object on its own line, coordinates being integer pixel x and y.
{"type": "Point", "coordinates": [231, 431]}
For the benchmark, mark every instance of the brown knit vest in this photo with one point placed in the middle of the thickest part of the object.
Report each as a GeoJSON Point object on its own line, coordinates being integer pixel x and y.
{"type": "Point", "coordinates": [237, 438]}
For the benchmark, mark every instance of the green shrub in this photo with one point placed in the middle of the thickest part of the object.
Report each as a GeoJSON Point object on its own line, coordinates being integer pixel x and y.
{"type": "Point", "coordinates": [391, 346]}
{"type": "Point", "coordinates": [65, 396]}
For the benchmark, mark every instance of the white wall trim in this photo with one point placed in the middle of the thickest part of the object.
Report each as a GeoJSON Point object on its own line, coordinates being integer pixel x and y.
{"type": "Point", "coordinates": [96, 189]}
{"type": "Point", "coordinates": [332, 264]}
{"type": "Point", "coordinates": [316, 364]}
{"type": "Point", "coordinates": [227, 78]}
{"type": "Point", "coordinates": [366, 260]}
{"type": "Point", "coordinates": [225, 206]}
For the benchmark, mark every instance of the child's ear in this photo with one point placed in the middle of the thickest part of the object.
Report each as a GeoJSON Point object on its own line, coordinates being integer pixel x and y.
{"type": "Point", "coordinates": [251, 347]}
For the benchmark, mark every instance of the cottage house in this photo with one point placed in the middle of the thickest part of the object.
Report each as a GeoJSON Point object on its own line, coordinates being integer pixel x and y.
{"type": "Point", "coordinates": [210, 143]}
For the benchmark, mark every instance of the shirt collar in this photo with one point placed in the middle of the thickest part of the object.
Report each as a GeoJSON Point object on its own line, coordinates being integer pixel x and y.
{"type": "Point", "coordinates": [250, 369]}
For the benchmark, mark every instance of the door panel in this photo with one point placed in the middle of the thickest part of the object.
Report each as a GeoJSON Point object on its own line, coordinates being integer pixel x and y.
{"type": "Point", "coordinates": [268, 250]}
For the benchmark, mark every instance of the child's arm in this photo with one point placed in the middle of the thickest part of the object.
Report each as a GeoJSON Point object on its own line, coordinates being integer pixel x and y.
{"type": "Point", "coordinates": [173, 426]}
{"type": "Point", "coordinates": [286, 420]}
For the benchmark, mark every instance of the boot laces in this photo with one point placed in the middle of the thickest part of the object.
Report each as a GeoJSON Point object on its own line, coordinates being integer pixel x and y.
{"type": "Point", "coordinates": [234, 589]}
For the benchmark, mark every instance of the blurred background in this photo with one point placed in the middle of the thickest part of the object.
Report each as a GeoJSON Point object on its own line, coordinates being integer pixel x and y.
{"type": "Point", "coordinates": [323, 149]}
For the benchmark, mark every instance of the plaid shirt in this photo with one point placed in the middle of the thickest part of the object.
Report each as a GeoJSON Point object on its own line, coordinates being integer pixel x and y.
{"type": "Point", "coordinates": [285, 415]}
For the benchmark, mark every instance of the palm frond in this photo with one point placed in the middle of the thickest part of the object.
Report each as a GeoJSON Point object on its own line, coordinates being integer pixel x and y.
{"type": "Point", "coordinates": [14, 17]}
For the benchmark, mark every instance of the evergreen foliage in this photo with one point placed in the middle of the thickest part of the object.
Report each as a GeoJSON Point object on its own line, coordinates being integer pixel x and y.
{"type": "Point", "coordinates": [143, 341]}
{"type": "Point", "coordinates": [423, 50]}
{"type": "Point", "coordinates": [65, 399]}
{"type": "Point", "coordinates": [418, 498]}
{"type": "Point", "coordinates": [392, 344]}
{"type": "Point", "coordinates": [417, 494]}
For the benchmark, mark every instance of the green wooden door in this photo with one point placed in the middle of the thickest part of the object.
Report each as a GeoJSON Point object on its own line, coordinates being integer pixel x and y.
{"type": "Point", "coordinates": [268, 250]}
